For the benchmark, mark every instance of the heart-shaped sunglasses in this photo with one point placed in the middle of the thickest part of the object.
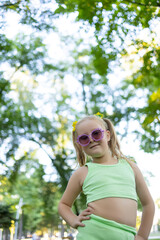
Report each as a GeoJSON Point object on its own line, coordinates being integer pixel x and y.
{"type": "Point", "coordinates": [84, 139]}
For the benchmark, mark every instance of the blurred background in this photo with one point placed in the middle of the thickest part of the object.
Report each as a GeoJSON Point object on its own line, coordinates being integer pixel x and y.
{"type": "Point", "coordinates": [61, 60]}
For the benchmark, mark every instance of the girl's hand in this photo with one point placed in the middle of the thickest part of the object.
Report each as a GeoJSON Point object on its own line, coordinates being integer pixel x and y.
{"type": "Point", "coordinates": [137, 237]}
{"type": "Point", "coordinates": [84, 215]}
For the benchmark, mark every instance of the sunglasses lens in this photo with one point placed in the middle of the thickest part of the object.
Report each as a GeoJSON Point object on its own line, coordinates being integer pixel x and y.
{"type": "Point", "coordinates": [97, 135]}
{"type": "Point", "coordinates": [84, 139]}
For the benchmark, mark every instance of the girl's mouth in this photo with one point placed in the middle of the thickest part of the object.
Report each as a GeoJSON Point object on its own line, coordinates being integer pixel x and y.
{"type": "Point", "coordinates": [94, 146]}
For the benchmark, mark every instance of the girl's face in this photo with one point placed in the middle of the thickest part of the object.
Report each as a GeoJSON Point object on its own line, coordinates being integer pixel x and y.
{"type": "Point", "coordinates": [95, 149]}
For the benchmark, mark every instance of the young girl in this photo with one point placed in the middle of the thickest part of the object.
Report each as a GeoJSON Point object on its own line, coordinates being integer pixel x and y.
{"type": "Point", "coordinates": [111, 184]}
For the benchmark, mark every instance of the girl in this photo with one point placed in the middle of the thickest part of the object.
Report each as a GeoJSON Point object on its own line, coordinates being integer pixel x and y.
{"type": "Point", "coordinates": [111, 184]}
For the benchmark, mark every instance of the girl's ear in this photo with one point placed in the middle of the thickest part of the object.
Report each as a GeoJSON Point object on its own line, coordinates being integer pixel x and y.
{"type": "Point", "coordinates": [108, 134]}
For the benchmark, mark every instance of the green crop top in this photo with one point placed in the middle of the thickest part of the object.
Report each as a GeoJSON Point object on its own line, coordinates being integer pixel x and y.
{"type": "Point", "coordinates": [104, 181]}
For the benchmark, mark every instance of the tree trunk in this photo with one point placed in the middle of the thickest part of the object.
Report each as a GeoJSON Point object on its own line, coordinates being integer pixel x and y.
{"type": "Point", "coordinates": [20, 226]}
{"type": "Point", "coordinates": [6, 234]}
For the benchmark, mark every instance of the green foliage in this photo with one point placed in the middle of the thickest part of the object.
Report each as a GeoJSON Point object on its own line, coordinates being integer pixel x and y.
{"type": "Point", "coordinates": [147, 79]}
{"type": "Point", "coordinates": [112, 22]}
{"type": "Point", "coordinates": [17, 123]}
{"type": "Point", "coordinates": [100, 61]}
{"type": "Point", "coordinates": [50, 197]}
{"type": "Point", "coordinates": [5, 46]}
{"type": "Point", "coordinates": [93, 11]}
{"type": "Point", "coordinates": [25, 53]}
{"type": "Point", "coordinates": [36, 15]}
{"type": "Point", "coordinates": [40, 197]}
{"type": "Point", "coordinates": [6, 216]}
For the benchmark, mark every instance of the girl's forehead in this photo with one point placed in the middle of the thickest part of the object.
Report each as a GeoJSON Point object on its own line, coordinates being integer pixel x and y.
{"type": "Point", "coordinates": [88, 125]}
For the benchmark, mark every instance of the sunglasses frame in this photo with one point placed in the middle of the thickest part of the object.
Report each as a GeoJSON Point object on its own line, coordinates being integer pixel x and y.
{"type": "Point", "coordinates": [96, 140]}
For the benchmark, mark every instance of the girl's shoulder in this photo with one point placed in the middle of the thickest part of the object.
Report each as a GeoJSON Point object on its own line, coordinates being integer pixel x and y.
{"type": "Point", "coordinates": [135, 168]}
{"type": "Point", "coordinates": [81, 173]}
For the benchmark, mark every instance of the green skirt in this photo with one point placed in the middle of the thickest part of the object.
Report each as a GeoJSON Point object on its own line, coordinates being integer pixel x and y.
{"type": "Point", "coordinates": [98, 228]}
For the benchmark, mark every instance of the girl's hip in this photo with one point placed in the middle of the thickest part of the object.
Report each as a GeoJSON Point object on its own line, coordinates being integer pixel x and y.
{"type": "Point", "coordinates": [98, 228]}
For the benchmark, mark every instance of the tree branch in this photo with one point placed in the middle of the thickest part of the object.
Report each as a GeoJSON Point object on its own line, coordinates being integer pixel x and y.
{"type": "Point", "coordinates": [40, 145]}
{"type": "Point", "coordinates": [142, 4]}
{"type": "Point", "coordinates": [16, 69]}
{"type": "Point", "coordinates": [10, 4]}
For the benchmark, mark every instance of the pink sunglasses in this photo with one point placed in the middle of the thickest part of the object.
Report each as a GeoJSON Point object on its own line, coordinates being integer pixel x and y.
{"type": "Point", "coordinates": [84, 139]}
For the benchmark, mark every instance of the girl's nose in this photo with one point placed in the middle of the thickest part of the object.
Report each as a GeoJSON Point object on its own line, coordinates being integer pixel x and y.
{"type": "Point", "coordinates": [91, 139]}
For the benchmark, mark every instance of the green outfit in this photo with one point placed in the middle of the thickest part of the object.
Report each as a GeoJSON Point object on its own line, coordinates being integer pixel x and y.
{"type": "Point", "coordinates": [104, 181]}
{"type": "Point", "coordinates": [98, 228]}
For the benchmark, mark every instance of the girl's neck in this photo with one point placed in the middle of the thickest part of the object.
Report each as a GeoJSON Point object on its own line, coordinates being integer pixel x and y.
{"type": "Point", "coordinates": [108, 160]}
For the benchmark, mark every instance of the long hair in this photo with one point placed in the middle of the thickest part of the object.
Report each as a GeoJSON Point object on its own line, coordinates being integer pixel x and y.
{"type": "Point", "coordinates": [113, 143]}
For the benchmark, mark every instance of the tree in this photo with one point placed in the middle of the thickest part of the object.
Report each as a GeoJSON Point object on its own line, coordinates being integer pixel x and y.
{"type": "Point", "coordinates": [6, 215]}
{"type": "Point", "coordinates": [6, 218]}
{"type": "Point", "coordinates": [37, 15]}
{"type": "Point", "coordinates": [113, 23]}
{"type": "Point", "coordinates": [40, 196]}
{"type": "Point", "coordinates": [116, 27]}
{"type": "Point", "coordinates": [145, 81]}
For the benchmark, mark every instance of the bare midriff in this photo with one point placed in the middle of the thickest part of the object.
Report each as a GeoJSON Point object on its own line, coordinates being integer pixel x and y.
{"type": "Point", "coordinates": [121, 210]}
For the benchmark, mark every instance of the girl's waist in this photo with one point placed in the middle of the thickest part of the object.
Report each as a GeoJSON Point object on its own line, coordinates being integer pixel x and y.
{"type": "Point", "coordinates": [123, 211]}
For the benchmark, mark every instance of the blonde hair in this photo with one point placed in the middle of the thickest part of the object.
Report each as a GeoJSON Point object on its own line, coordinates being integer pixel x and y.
{"type": "Point", "coordinates": [113, 143]}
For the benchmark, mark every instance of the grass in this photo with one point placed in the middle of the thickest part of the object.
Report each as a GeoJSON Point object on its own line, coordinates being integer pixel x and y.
{"type": "Point", "coordinates": [155, 239]}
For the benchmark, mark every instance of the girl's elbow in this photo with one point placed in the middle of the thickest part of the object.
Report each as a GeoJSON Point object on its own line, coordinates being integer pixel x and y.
{"type": "Point", "coordinates": [152, 209]}
{"type": "Point", "coordinates": [152, 204]}
{"type": "Point", "coordinates": [62, 206]}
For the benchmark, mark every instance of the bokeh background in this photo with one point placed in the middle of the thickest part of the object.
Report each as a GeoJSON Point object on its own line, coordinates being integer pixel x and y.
{"type": "Point", "coordinates": [59, 61]}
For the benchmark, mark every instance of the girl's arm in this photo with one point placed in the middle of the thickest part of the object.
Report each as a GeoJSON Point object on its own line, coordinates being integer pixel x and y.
{"type": "Point", "coordinates": [73, 189]}
{"type": "Point", "coordinates": [147, 205]}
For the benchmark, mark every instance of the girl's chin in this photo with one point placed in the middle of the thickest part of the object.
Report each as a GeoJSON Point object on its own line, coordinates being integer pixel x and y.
{"type": "Point", "coordinates": [96, 155]}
